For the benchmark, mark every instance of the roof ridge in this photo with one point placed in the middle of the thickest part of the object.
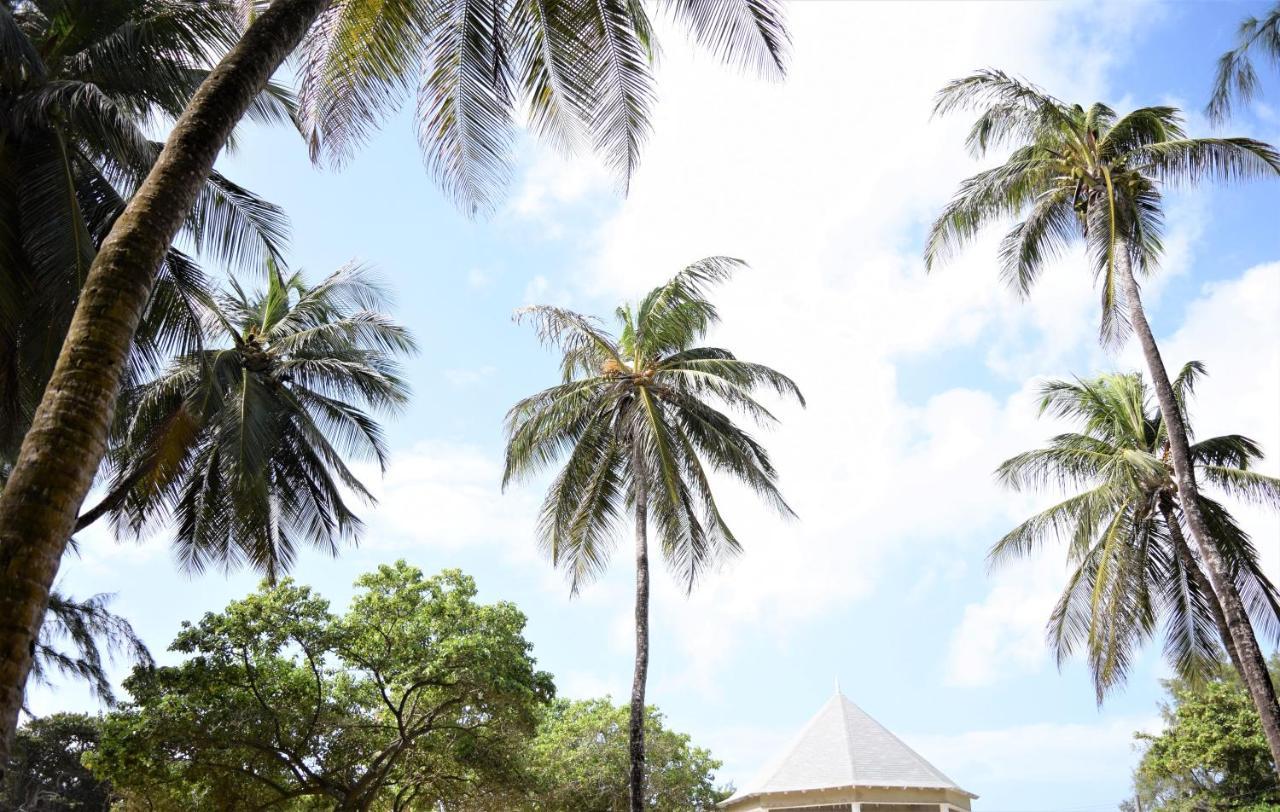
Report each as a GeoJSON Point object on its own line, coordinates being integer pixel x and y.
{"type": "Point", "coordinates": [845, 704]}
{"type": "Point", "coordinates": [910, 750]}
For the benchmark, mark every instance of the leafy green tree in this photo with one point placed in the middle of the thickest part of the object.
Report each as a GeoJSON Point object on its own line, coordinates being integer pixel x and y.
{"type": "Point", "coordinates": [1092, 174]}
{"type": "Point", "coordinates": [45, 771]}
{"type": "Point", "coordinates": [582, 68]}
{"type": "Point", "coordinates": [636, 415]}
{"type": "Point", "coordinates": [1132, 568]}
{"type": "Point", "coordinates": [1212, 755]}
{"type": "Point", "coordinates": [240, 445]}
{"type": "Point", "coordinates": [1236, 78]}
{"type": "Point", "coordinates": [578, 763]}
{"type": "Point", "coordinates": [406, 701]}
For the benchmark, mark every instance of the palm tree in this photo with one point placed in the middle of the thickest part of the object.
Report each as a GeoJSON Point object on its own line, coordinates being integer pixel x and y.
{"type": "Point", "coordinates": [85, 81]}
{"type": "Point", "coordinates": [1131, 563]}
{"type": "Point", "coordinates": [636, 415]}
{"type": "Point", "coordinates": [1236, 77]}
{"type": "Point", "coordinates": [240, 447]}
{"type": "Point", "coordinates": [81, 83]}
{"type": "Point", "coordinates": [1094, 174]}
{"type": "Point", "coordinates": [580, 67]}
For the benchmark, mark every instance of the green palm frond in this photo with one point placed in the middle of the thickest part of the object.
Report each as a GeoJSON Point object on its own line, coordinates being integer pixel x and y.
{"type": "Point", "coordinates": [79, 638]}
{"type": "Point", "coordinates": [1011, 108]}
{"type": "Point", "coordinates": [466, 103]}
{"type": "Point", "coordinates": [584, 346]}
{"type": "Point", "coordinates": [750, 33]}
{"type": "Point", "coordinates": [1236, 78]}
{"type": "Point", "coordinates": [1190, 161]}
{"type": "Point", "coordinates": [582, 68]}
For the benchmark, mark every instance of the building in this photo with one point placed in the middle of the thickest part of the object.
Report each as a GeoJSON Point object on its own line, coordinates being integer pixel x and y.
{"type": "Point", "coordinates": [845, 761]}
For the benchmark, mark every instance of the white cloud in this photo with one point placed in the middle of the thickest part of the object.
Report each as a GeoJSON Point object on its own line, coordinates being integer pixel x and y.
{"type": "Point", "coordinates": [460, 486]}
{"type": "Point", "coordinates": [825, 185]}
{"type": "Point", "coordinates": [469, 377]}
{"type": "Point", "coordinates": [1036, 752]}
{"type": "Point", "coordinates": [1003, 635]}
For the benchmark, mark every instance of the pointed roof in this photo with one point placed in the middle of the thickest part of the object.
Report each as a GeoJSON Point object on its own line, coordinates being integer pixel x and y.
{"type": "Point", "coordinates": [842, 747]}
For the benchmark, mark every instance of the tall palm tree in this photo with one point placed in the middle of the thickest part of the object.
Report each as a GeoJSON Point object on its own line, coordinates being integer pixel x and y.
{"type": "Point", "coordinates": [1236, 77]}
{"type": "Point", "coordinates": [1131, 563]}
{"type": "Point", "coordinates": [636, 416]}
{"type": "Point", "coordinates": [1096, 175]}
{"type": "Point", "coordinates": [82, 83]}
{"type": "Point", "coordinates": [239, 447]}
{"type": "Point", "coordinates": [577, 65]}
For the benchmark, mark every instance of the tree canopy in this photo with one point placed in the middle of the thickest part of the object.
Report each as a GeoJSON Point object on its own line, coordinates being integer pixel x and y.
{"type": "Point", "coordinates": [45, 773]}
{"type": "Point", "coordinates": [579, 759]}
{"type": "Point", "coordinates": [1212, 755]}
{"type": "Point", "coordinates": [411, 698]}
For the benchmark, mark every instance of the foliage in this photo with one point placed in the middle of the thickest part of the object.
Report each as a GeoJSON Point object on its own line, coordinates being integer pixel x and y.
{"type": "Point", "coordinates": [87, 627]}
{"type": "Point", "coordinates": [401, 703]}
{"type": "Point", "coordinates": [578, 763]}
{"type": "Point", "coordinates": [636, 411]}
{"type": "Point", "coordinates": [1077, 172]}
{"type": "Point", "coordinates": [1131, 568]}
{"type": "Point", "coordinates": [82, 82]}
{"type": "Point", "coordinates": [1236, 78]}
{"type": "Point", "coordinates": [241, 445]}
{"type": "Point", "coordinates": [45, 772]}
{"type": "Point", "coordinates": [1212, 754]}
{"type": "Point", "coordinates": [581, 68]}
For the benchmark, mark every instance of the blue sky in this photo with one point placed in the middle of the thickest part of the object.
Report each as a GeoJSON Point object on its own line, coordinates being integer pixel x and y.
{"type": "Point", "coordinates": [918, 386]}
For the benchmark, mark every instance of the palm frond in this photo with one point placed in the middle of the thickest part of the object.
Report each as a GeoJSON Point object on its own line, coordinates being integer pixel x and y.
{"type": "Point", "coordinates": [750, 33]}
{"type": "Point", "coordinates": [95, 636]}
{"type": "Point", "coordinates": [1189, 161]}
{"type": "Point", "coordinates": [465, 104]}
{"type": "Point", "coordinates": [1236, 78]}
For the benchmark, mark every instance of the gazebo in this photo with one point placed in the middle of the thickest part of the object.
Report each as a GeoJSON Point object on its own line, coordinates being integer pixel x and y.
{"type": "Point", "coordinates": [845, 761]}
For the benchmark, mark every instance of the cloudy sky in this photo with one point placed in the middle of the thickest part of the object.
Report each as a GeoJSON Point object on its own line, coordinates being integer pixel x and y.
{"type": "Point", "coordinates": [918, 386]}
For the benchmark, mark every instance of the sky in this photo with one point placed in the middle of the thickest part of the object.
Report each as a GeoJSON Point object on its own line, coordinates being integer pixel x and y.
{"type": "Point", "coordinates": [917, 386]}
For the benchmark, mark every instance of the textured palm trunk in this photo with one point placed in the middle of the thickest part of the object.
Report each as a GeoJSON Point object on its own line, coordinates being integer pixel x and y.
{"type": "Point", "coordinates": [1202, 581]}
{"type": "Point", "coordinates": [641, 675]}
{"type": "Point", "coordinates": [1253, 664]}
{"type": "Point", "coordinates": [67, 439]}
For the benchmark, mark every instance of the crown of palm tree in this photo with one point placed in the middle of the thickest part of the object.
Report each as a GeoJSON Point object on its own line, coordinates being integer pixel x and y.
{"type": "Point", "coordinates": [636, 408]}
{"type": "Point", "coordinates": [81, 83]}
{"type": "Point", "coordinates": [1128, 571]}
{"type": "Point", "coordinates": [580, 68]}
{"type": "Point", "coordinates": [242, 447]}
{"type": "Point", "coordinates": [1236, 76]}
{"type": "Point", "coordinates": [1077, 172]}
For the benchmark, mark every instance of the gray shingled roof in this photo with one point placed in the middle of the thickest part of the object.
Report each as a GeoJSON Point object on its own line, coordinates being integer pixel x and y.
{"type": "Point", "coordinates": [844, 747]}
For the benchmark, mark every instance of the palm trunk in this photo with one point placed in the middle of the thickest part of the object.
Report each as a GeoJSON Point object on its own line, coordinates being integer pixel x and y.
{"type": "Point", "coordinates": [1202, 582]}
{"type": "Point", "coordinates": [1253, 665]}
{"type": "Point", "coordinates": [67, 439]}
{"type": "Point", "coordinates": [641, 674]}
